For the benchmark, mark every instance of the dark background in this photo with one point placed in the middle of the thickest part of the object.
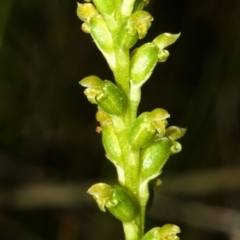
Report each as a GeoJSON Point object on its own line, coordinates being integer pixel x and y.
{"type": "Point", "coordinates": [49, 150]}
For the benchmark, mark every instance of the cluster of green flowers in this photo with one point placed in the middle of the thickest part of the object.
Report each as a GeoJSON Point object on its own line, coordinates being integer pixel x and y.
{"type": "Point", "coordinates": [138, 146]}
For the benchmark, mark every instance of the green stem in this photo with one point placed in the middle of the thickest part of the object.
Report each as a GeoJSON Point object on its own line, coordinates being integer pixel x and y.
{"type": "Point", "coordinates": [134, 100]}
{"type": "Point", "coordinates": [135, 229]}
{"type": "Point", "coordinates": [131, 231]}
{"type": "Point", "coordinates": [121, 71]}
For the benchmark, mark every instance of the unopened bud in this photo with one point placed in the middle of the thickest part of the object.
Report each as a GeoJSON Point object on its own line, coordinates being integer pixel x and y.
{"type": "Point", "coordinates": [143, 62]}
{"type": "Point", "coordinates": [101, 34]}
{"type": "Point", "coordinates": [142, 131]}
{"type": "Point", "coordinates": [110, 143]}
{"type": "Point", "coordinates": [154, 156]}
{"type": "Point", "coordinates": [111, 100]}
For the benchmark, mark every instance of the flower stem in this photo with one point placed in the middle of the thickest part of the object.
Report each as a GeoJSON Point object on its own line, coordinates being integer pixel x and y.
{"type": "Point", "coordinates": [138, 146]}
